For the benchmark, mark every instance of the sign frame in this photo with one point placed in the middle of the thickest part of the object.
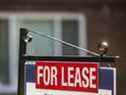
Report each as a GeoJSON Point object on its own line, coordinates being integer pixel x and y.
{"type": "Point", "coordinates": [23, 58]}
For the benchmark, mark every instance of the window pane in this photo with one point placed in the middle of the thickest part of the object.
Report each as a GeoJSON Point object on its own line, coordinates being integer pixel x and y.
{"type": "Point", "coordinates": [4, 64]}
{"type": "Point", "coordinates": [40, 46]}
{"type": "Point", "coordinates": [70, 34]}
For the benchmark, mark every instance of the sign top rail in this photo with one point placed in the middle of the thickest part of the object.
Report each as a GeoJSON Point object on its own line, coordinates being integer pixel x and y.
{"type": "Point", "coordinates": [71, 58]}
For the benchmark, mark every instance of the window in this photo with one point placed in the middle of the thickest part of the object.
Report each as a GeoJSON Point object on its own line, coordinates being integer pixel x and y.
{"type": "Point", "coordinates": [70, 27]}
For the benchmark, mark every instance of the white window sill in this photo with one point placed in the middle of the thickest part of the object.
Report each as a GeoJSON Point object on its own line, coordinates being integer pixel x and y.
{"type": "Point", "coordinates": [8, 88]}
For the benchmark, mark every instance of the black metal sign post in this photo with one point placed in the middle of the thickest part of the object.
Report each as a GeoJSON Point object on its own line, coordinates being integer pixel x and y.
{"type": "Point", "coordinates": [23, 58]}
{"type": "Point", "coordinates": [22, 52]}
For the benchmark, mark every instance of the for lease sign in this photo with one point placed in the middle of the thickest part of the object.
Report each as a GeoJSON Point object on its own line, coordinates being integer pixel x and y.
{"type": "Point", "coordinates": [77, 76]}
{"type": "Point", "coordinates": [64, 78]}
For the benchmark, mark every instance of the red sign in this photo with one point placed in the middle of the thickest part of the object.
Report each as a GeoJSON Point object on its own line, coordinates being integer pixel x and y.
{"type": "Point", "coordinates": [67, 75]}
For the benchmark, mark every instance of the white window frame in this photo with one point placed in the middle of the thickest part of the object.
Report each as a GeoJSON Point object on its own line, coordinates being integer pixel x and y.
{"type": "Point", "coordinates": [14, 35]}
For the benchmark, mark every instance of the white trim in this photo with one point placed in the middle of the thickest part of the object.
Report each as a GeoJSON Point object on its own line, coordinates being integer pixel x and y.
{"type": "Point", "coordinates": [82, 34]}
{"type": "Point", "coordinates": [108, 68]}
{"type": "Point", "coordinates": [114, 70]}
{"type": "Point", "coordinates": [57, 34]}
{"type": "Point", "coordinates": [12, 51]}
{"type": "Point", "coordinates": [7, 89]}
{"type": "Point", "coordinates": [45, 15]}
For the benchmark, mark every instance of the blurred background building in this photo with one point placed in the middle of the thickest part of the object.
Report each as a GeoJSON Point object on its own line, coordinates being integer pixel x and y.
{"type": "Point", "coordinates": [80, 22]}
